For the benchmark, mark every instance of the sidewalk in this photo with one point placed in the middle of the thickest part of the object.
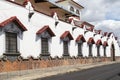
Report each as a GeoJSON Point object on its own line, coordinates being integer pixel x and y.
{"type": "Point", "coordinates": [39, 73]}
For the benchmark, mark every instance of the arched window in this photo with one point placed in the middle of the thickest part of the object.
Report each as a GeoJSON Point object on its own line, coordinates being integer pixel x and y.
{"type": "Point", "coordinates": [71, 9]}
{"type": "Point", "coordinates": [77, 12]}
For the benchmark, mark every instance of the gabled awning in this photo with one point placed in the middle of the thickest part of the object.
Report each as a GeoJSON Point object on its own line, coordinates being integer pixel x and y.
{"type": "Point", "coordinates": [80, 37]}
{"type": "Point", "coordinates": [99, 42]}
{"type": "Point", "coordinates": [98, 31]}
{"type": "Point", "coordinates": [15, 20]}
{"type": "Point", "coordinates": [91, 40]}
{"type": "Point", "coordinates": [109, 34]}
{"type": "Point", "coordinates": [46, 28]}
{"type": "Point", "coordinates": [105, 33]}
{"type": "Point", "coordinates": [66, 34]}
{"type": "Point", "coordinates": [105, 43]}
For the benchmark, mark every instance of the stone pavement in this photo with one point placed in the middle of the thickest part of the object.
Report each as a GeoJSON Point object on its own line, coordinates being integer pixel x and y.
{"type": "Point", "coordinates": [39, 73]}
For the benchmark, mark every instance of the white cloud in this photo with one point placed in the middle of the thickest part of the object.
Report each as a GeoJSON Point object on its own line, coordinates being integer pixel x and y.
{"type": "Point", "coordinates": [104, 14]}
{"type": "Point", "coordinates": [112, 24]}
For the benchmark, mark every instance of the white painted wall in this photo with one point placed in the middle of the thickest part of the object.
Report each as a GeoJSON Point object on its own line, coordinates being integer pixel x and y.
{"type": "Point", "coordinates": [30, 44]}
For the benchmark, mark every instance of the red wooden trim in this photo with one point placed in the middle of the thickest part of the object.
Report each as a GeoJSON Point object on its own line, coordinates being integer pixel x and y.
{"type": "Point", "coordinates": [13, 19]}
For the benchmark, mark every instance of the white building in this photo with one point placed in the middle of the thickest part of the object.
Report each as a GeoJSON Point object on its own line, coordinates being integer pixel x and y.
{"type": "Point", "coordinates": [42, 28]}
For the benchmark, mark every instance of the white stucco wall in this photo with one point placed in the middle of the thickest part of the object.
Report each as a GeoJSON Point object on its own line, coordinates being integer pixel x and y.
{"type": "Point", "coordinates": [30, 44]}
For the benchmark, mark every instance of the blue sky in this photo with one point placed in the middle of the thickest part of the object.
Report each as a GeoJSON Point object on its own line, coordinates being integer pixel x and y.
{"type": "Point", "coordinates": [104, 14]}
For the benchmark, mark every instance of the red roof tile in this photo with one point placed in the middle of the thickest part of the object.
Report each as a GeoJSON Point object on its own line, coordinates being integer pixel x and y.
{"type": "Point", "coordinates": [109, 34]}
{"type": "Point", "coordinates": [46, 28]}
{"type": "Point", "coordinates": [13, 19]}
{"type": "Point", "coordinates": [90, 26]}
{"type": "Point", "coordinates": [99, 42]}
{"type": "Point", "coordinates": [105, 33]}
{"type": "Point", "coordinates": [86, 23]}
{"type": "Point", "coordinates": [91, 40]}
{"type": "Point", "coordinates": [25, 2]}
{"type": "Point", "coordinates": [66, 34]}
{"type": "Point", "coordinates": [80, 37]}
{"type": "Point", "coordinates": [98, 31]}
{"type": "Point", "coordinates": [105, 43]}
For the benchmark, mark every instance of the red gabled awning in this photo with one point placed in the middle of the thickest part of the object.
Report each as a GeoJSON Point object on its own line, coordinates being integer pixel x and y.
{"type": "Point", "coordinates": [99, 42]}
{"type": "Point", "coordinates": [66, 34]}
{"type": "Point", "coordinates": [13, 19]}
{"type": "Point", "coordinates": [105, 43]}
{"type": "Point", "coordinates": [91, 40]}
{"type": "Point", "coordinates": [109, 34]}
{"type": "Point", "coordinates": [46, 28]}
{"type": "Point", "coordinates": [80, 37]}
{"type": "Point", "coordinates": [105, 33]}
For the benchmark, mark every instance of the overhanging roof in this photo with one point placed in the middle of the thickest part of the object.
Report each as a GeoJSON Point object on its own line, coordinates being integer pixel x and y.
{"type": "Point", "coordinates": [91, 40]}
{"type": "Point", "coordinates": [66, 34]}
{"type": "Point", "coordinates": [15, 20]}
{"type": "Point", "coordinates": [80, 37]}
{"type": "Point", "coordinates": [46, 28]}
{"type": "Point", "coordinates": [99, 42]}
{"type": "Point", "coordinates": [105, 43]}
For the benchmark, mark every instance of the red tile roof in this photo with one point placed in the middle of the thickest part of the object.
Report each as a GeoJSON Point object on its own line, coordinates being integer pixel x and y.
{"type": "Point", "coordinates": [109, 34]}
{"type": "Point", "coordinates": [91, 40]}
{"type": "Point", "coordinates": [105, 43]}
{"type": "Point", "coordinates": [105, 33]}
{"type": "Point", "coordinates": [25, 2]}
{"type": "Point", "coordinates": [13, 19]}
{"type": "Point", "coordinates": [66, 34]}
{"type": "Point", "coordinates": [86, 23]}
{"type": "Point", "coordinates": [99, 42]}
{"type": "Point", "coordinates": [80, 37]}
{"type": "Point", "coordinates": [90, 26]}
{"type": "Point", "coordinates": [46, 28]}
{"type": "Point", "coordinates": [98, 31]}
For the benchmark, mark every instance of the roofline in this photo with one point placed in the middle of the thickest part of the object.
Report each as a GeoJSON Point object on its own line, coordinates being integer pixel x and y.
{"type": "Point", "coordinates": [42, 12]}
{"type": "Point", "coordinates": [77, 4]}
{"type": "Point", "coordinates": [72, 1]}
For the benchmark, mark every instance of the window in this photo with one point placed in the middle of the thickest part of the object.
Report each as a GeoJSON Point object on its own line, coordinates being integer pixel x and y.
{"type": "Point", "coordinates": [104, 51]}
{"type": "Point", "coordinates": [90, 49]}
{"type": "Point", "coordinates": [44, 45]}
{"type": "Point", "coordinates": [77, 12]}
{"type": "Point", "coordinates": [65, 48]}
{"type": "Point", "coordinates": [71, 9]}
{"type": "Point", "coordinates": [80, 49]}
{"type": "Point", "coordinates": [98, 50]}
{"type": "Point", "coordinates": [11, 42]}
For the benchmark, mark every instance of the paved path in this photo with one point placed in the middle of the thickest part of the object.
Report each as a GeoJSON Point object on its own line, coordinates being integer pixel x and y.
{"type": "Point", "coordinates": [108, 72]}
{"type": "Point", "coordinates": [40, 73]}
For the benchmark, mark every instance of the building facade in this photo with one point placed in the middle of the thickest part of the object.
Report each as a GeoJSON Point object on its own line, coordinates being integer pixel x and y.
{"type": "Point", "coordinates": [45, 29]}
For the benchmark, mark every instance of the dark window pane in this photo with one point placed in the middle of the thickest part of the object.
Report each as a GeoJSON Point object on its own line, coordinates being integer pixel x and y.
{"type": "Point", "coordinates": [65, 46]}
{"type": "Point", "coordinates": [77, 12]}
{"type": "Point", "coordinates": [90, 49]}
{"type": "Point", "coordinates": [11, 42]}
{"type": "Point", "coordinates": [44, 42]}
{"type": "Point", "coordinates": [98, 50]}
{"type": "Point", "coordinates": [71, 9]}
{"type": "Point", "coordinates": [80, 49]}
